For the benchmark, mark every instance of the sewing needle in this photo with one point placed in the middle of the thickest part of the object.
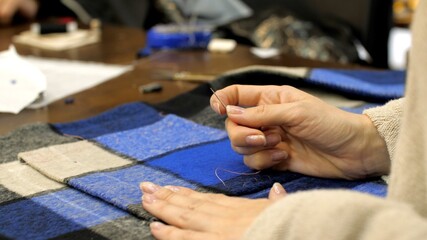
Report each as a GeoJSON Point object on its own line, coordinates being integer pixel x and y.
{"type": "Point", "coordinates": [213, 91]}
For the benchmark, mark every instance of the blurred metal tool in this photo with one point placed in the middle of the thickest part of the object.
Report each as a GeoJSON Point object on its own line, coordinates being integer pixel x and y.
{"type": "Point", "coordinates": [150, 88]}
{"type": "Point", "coordinates": [182, 76]}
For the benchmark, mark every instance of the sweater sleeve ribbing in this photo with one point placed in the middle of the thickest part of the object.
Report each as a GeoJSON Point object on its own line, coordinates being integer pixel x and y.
{"type": "Point", "coordinates": [387, 121]}
{"type": "Point", "coordinates": [336, 215]}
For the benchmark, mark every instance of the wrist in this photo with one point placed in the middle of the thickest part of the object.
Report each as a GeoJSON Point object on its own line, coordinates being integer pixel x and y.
{"type": "Point", "coordinates": [374, 155]}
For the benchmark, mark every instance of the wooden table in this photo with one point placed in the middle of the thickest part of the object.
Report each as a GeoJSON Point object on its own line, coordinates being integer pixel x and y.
{"type": "Point", "coordinates": [119, 45]}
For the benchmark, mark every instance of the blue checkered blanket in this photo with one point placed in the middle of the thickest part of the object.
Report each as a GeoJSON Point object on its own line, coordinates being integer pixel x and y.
{"type": "Point", "coordinates": [80, 179]}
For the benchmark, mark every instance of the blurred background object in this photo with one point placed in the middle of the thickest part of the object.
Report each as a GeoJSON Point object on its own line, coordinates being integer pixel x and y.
{"type": "Point", "coordinates": [403, 11]}
{"type": "Point", "coordinates": [369, 21]}
{"type": "Point", "coordinates": [352, 31]}
{"type": "Point", "coordinates": [281, 29]}
{"type": "Point", "coordinates": [210, 12]}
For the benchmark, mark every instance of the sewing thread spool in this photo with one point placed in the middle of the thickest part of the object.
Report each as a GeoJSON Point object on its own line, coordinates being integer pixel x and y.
{"type": "Point", "coordinates": [47, 28]}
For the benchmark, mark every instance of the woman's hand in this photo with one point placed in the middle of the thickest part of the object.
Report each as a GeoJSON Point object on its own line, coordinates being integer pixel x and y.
{"type": "Point", "coordinates": [8, 8]}
{"type": "Point", "coordinates": [194, 215]}
{"type": "Point", "coordinates": [284, 128]}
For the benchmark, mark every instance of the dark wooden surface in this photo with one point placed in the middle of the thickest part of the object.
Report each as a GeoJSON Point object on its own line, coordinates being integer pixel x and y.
{"type": "Point", "coordinates": [119, 45]}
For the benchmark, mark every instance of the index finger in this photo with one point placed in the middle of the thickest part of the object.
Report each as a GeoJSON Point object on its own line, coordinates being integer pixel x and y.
{"type": "Point", "coordinates": [241, 95]}
{"type": "Point", "coordinates": [251, 95]}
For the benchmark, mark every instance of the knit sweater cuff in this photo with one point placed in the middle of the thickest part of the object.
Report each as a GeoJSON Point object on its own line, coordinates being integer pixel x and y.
{"type": "Point", "coordinates": [387, 121]}
{"type": "Point", "coordinates": [337, 214]}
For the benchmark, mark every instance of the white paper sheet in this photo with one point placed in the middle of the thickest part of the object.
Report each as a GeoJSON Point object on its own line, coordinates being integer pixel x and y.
{"type": "Point", "coordinates": [20, 82]}
{"type": "Point", "coordinates": [65, 77]}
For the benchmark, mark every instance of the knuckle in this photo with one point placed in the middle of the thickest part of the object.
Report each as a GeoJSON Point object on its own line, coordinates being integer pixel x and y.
{"type": "Point", "coordinates": [240, 150]}
{"type": "Point", "coordinates": [233, 137]}
{"type": "Point", "coordinates": [298, 108]}
{"type": "Point", "coordinates": [196, 204]}
{"type": "Point", "coordinates": [261, 109]}
{"type": "Point", "coordinates": [217, 196]}
{"type": "Point", "coordinates": [164, 194]}
{"type": "Point", "coordinates": [235, 148]}
{"type": "Point", "coordinates": [287, 88]}
{"type": "Point", "coordinates": [185, 218]}
{"type": "Point", "coordinates": [253, 163]}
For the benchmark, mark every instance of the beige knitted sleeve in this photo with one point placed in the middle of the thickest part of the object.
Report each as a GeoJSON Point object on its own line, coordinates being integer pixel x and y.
{"type": "Point", "coordinates": [336, 215]}
{"type": "Point", "coordinates": [387, 121]}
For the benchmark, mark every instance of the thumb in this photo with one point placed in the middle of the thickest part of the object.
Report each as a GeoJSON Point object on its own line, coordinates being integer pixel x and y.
{"type": "Point", "coordinates": [262, 115]}
{"type": "Point", "coordinates": [276, 192]}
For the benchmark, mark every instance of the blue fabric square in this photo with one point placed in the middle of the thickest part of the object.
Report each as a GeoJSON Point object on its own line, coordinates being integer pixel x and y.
{"type": "Point", "coordinates": [374, 188]}
{"type": "Point", "coordinates": [124, 117]}
{"type": "Point", "coordinates": [377, 189]}
{"type": "Point", "coordinates": [309, 183]}
{"type": "Point", "coordinates": [360, 109]}
{"type": "Point", "coordinates": [204, 164]}
{"type": "Point", "coordinates": [54, 214]}
{"type": "Point", "coordinates": [380, 84]}
{"type": "Point", "coordinates": [246, 184]}
{"type": "Point", "coordinates": [121, 187]}
{"type": "Point", "coordinates": [169, 134]}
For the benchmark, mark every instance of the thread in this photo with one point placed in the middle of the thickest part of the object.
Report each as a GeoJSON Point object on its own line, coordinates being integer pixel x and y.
{"type": "Point", "coordinates": [73, 136]}
{"type": "Point", "coordinates": [233, 172]}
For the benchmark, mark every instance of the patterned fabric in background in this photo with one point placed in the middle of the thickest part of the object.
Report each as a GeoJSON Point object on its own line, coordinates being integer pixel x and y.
{"type": "Point", "coordinates": [81, 179]}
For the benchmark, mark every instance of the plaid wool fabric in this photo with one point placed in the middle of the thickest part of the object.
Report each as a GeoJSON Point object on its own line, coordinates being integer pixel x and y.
{"type": "Point", "coordinates": [81, 179]}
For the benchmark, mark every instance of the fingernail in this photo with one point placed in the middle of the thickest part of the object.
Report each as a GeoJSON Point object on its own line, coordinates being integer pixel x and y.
{"type": "Point", "coordinates": [218, 108]}
{"type": "Point", "coordinates": [234, 109]}
{"type": "Point", "coordinates": [172, 188]}
{"type": "Point", "coordinates": [278, 156]}
{"type": "Point", "coordinates": [256, 140]}
{"type": "Point", "coordinates": [148, 198]}
{"type": "Point", "coordinates": [156, 225]}
{"type": "Point", "coordinates": [278, 189]}
{"type": "Point", "coordinates": [149, 187]}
